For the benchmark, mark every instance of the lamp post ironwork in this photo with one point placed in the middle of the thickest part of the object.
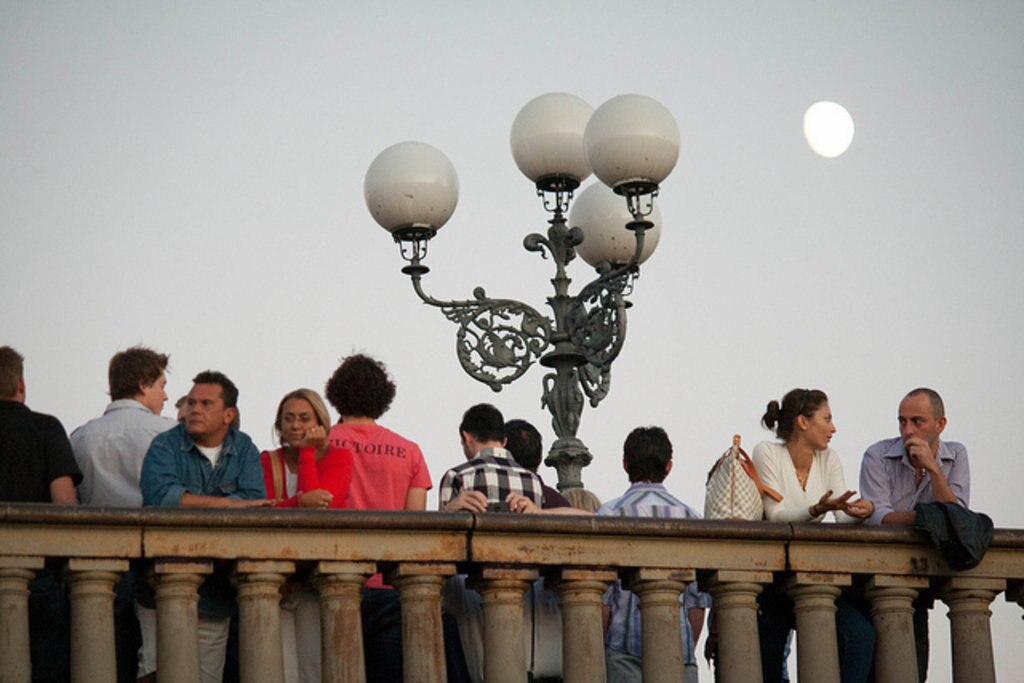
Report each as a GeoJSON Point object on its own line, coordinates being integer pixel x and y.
{"type": "Point", "coordinates": [631, 143]}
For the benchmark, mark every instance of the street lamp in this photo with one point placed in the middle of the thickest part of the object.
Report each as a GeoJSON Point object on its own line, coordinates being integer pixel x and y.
{"type": "Point", "coordinates": [631, 143]}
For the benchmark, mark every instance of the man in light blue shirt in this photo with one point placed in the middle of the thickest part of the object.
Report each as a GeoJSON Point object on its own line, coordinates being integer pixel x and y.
{"type": "Point", "coordinates": [647, 459]}
{"type": "Point", "coordinates": [916, 467]}
{"type": "Point", "coordinates": [109, 450]}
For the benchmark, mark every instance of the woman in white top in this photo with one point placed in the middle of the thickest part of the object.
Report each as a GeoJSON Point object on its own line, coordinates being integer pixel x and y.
{"type": "Point", "coordinates": [801, 466]}
{"type": "Point", "coordinates": [808, 474]}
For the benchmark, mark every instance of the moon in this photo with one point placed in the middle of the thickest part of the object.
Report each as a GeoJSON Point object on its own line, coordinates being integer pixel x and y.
{"type": "Point", "coordinates": [828, 128]}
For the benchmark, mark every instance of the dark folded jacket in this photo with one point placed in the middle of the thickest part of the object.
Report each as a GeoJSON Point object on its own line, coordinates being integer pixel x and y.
{"type": "Point", "coordinates": [962, 536]}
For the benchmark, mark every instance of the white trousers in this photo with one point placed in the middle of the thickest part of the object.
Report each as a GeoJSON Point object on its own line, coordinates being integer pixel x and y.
{"type": "Point", "coordinates": [213, 645]}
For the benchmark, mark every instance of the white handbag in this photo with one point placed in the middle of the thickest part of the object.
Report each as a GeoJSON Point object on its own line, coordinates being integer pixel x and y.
{"type": "Point", "coordinates": [734, 490]}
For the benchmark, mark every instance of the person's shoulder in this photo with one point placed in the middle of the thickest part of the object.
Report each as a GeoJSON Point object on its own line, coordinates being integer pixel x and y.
{"type": "Point", "coordinates": [885, 447]}
{"type": "Point", "coordinates": [242, 443]}
{"type": "Point", "coordinates": [170, 436]}
{"type": "Point", "coordinates": [955, 449]}
{"type": "Point", "coordinates": [610, 507]}
{"type": "Point", "coordinates": [397, 438]}
{"type": "Point", "coordinates": [85, 430]}
{"type": "Point", "coordinates": [45, 419]}
{"type": "Point", "coordinates": [767, 449]}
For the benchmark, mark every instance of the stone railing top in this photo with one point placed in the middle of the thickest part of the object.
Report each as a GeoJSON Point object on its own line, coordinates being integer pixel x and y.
{"type": "Point", "coordinates": [386, 536]}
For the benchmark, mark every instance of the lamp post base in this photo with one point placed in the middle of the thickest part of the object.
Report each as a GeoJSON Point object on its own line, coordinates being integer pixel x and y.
{"type": "Point", "coordinates": [569, 456]}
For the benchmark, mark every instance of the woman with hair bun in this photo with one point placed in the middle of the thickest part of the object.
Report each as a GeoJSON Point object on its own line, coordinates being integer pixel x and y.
{"type": "Point", "coordinates": [807, 472]}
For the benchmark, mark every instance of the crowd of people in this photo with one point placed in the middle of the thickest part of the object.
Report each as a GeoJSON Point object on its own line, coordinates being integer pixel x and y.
{"type": "Point", "coordinates": [132, 456]}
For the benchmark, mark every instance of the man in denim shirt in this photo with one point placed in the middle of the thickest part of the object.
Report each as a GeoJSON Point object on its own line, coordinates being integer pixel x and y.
{"type": "Point", "coordinates": [205, 463]}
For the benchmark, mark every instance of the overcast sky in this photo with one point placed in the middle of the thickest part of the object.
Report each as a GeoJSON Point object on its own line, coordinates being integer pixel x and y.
{"type": "Point", "coordinates": [189, 176]}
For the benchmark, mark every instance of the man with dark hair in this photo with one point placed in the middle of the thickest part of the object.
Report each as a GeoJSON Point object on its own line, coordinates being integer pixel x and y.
{"type": "Point", "coordinates": [37, 466]}
{"type": "Point", "coordinates": [110, 450]}
{"type": "Point", "coordinates": [205, 463]}
{"type": "Point", "coordinates": [388, 473]}
{"type": "Point", "coordinates": [916, 467]}
{"type": "Point", "coordinates": [647, 459]}
{"type": "Point", "coordinates": [490, 475]}
{"type": "Point", "coordinates": [388, 470]}
{"type": "Point", "coordinates": [542, 619]}
{"type": "Point", "coordinates": [524, 442]}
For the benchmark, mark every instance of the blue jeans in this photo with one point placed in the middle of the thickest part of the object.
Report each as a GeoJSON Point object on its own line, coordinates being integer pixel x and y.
{"type": "Point", "coordinates": [855, 637]}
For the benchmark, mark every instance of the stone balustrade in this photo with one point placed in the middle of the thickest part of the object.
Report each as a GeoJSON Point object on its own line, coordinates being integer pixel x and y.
{"type": "Point", "coordinates": [502, 554]}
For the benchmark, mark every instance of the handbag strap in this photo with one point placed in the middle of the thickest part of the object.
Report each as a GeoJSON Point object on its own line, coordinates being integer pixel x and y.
{"type": "Point", "coordinates": [277, 473]}
{"type": "Point", "coordinates": [748, 466]}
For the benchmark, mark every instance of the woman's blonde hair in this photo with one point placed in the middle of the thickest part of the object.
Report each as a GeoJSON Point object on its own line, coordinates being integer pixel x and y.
{"type": "Point", "coordinates": [319, 409]}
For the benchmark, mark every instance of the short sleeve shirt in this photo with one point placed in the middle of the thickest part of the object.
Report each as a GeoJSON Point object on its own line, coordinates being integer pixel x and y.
{"type": "Point", "coordinates": [384, 466]}
{"type": "Point", "coordinates": [34, 451]}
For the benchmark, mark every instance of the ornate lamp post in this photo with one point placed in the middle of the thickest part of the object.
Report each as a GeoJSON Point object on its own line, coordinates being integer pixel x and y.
{"type": "Point", "coordinates": [631, 143]}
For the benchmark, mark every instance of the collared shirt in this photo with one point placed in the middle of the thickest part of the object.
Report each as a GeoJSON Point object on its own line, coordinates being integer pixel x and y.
{"type": "Point", "coordinates": [174, 466]}
{"type": "Point", "coordinates": [888, 480]}
{"type": "Point", "coordinates": [110, 450]}
{"type": "Point", "coordinates": [646, 499]}
{"type": "Point", "coordinates": [493, 473]}
{"type": "Point", "coordinates": [34, 451]}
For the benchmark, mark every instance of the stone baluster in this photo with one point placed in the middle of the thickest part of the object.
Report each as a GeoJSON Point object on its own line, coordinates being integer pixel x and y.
{"type": "Point", "coordinates": [580, 592]}
{"type": "Point", "coordinates": [892, 613]}
{"type": "Point", "coordinates": [341, 621]}
{"type": "Point", "coordinates": [814, 604]}
{"type": "Point", "coordinates": [92, 617]}
{"type": "Point", "coordinates": [735, 600]}
{"type": "Point", "coordinates": [662, 632]}
{"type": "Point", "coordinates": [15, 575]}
{"type": "Point", "coordinates": [419, 587]}
{"type": "Point", "coordinates": [502, 592]}
{"type": "Point", "coordinates": [177, 618]}
{"type": "Point", "coordinates": [261, 658]}
{"type": "Point", "coordinates": [970, 627]}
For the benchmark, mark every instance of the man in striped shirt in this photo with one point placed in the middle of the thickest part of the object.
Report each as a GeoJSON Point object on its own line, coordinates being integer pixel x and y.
{"type": "Point", "coordinates": [490, 474]}
{"type": "Point", "coordinates": [647, 459]}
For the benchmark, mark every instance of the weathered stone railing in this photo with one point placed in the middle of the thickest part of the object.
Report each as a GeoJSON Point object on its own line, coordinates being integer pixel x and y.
{"type": "Point", "coordinates": [417, 551]}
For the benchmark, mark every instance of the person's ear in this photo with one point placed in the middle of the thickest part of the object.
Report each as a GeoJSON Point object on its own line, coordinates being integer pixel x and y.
{"type": "Point", "coordinates": [801, 423]}
{"type": "Point", "coordinates": [940, 424]}
{"type": "Point", "coordinates": [229, 415]}
{"type": "Point", "coordinates": [668, 467]}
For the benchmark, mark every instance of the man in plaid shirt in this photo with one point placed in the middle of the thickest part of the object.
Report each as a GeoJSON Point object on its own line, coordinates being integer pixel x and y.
{"type": "Point", "coordinates": [490, 474]}
{"type": "Point", "coordinates": [647, 459]}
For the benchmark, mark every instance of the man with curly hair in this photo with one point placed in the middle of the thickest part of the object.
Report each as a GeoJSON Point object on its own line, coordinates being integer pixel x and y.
{"type": "Point", "coordinates": [388, 473]}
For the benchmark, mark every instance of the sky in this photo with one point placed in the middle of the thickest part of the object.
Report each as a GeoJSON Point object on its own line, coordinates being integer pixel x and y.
{"type": "Point", "coordinates": [189, 176]}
